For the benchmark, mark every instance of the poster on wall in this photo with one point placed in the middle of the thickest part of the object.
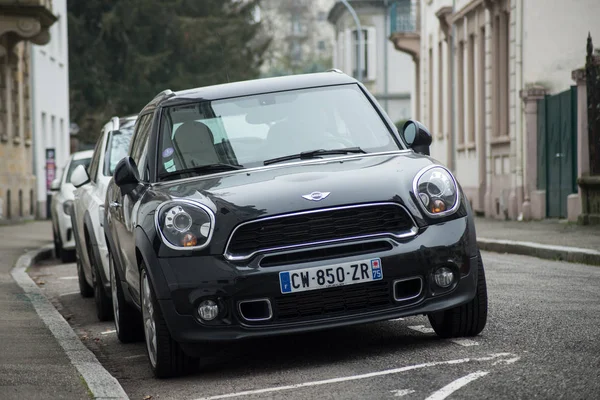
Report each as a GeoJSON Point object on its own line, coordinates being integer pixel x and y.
{"type": "Point", "coordinates": [50, 167]}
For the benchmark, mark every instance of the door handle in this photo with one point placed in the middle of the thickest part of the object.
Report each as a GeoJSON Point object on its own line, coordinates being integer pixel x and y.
{"type": "Point", "coordinates": [114, 204]}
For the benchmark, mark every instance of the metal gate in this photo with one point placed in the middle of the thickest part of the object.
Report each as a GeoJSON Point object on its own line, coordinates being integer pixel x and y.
{"type": "Point", "coordinates": [557, 150]}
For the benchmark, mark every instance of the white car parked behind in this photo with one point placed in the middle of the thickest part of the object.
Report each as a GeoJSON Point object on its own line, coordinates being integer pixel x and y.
{"type": "Point", "coordinates": [62, 200]}
{"type": "Point", "coordinates": [88, 212]}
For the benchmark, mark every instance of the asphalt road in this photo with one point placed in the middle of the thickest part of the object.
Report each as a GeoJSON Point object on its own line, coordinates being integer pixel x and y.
{"type": "Point", "coordinates": [542, 341]}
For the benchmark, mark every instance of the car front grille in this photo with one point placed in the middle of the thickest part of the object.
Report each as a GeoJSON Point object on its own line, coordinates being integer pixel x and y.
{"type": "Point", "coordinates": [319, 226]}
{"type": "Point", "coordinates": [329, 302]}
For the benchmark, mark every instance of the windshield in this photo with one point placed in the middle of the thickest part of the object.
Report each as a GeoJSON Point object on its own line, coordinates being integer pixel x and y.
{"type": "Point", "coordinates": [74, 164]}
{"type": "Point", "coordinates": [247, 131]}
{"type": "Point", "coordinates": [117, 147]}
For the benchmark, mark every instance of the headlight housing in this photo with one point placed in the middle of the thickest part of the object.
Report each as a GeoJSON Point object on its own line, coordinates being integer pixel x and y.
{"type": "Point", "coordinates": [67, 205]}
{"type": "Point", "coordinates": [184, 224]}
{"type": "Point", "coordinates": [436, 191]}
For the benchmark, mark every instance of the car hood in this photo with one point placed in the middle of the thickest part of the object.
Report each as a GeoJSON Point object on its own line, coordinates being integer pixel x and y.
{"type": "Point", "coordinates": [249, 194]}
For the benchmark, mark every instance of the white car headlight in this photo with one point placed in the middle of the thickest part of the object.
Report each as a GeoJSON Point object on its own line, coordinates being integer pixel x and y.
{"type": "Point", "coordinates": [185, 225]}
{"type": "Point", "coordinates": [437, 191]}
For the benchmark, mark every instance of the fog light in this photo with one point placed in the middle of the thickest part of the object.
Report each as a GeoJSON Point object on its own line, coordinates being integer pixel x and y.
{"type": "Point", "coordinates": [443, 277]}
{"type": "Point", "coordinates": [208, 310]}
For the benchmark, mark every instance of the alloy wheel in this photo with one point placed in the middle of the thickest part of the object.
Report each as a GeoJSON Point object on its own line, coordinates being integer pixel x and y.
{"type": "Point", "coordinates": [148, 317]}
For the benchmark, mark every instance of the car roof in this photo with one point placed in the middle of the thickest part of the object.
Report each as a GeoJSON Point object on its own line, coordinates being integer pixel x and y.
{"type": "Point", "coordinates": [252, 87]}
{"type": "Point", "coordinates": [83, 154]}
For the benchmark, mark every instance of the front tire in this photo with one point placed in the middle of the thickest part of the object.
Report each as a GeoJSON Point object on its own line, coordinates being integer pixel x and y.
{"type": "Point", "coordinates": [468, 319]}
{"type": "Point", "coordinates": [84, 288]}
{"type": "Point", "coordinates": [128, 322]}
{"type": "Point", "coordinates": [167, 359]}
{"type": "Point", "coordinates": [104, 310]}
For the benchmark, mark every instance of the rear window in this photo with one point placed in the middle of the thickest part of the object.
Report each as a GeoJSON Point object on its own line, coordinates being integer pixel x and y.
{"type": "Point", "coordinates": [117, 148]}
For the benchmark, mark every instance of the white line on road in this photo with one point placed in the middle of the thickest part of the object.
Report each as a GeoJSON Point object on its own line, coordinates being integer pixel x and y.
{"type": "Point", "coordinates": [454, 386]}
{"type": "Point", "coordinates": [357, 377]}
{"type": "Point", "coordinates": [136, 356]}
{"type": "Point", "coordinates": [421, 328]}
{"type": "Point", "coordinates": [461, 342]}
{"type": "Point", "coordinates": [465, 342]}
{"type": "Point", "coordinates": [68, 278]}
{"type": "Point", "coordinates": [68, 294]}
{"type": "Point", "coordinates": [402, 392]}
{"type": "Point", "coordinates": [108, 332]}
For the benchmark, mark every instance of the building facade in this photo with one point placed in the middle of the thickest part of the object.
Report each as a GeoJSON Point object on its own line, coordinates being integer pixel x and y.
{"type": "Point", "coordinates": [21, 23]}
{"type": "Point", "coordinates": [301, 37]}
{"type": "Point", "coordinates": [483, 67]}
{"type": "Point", "coordinates": [50, 105]}
{"type": "Point", "coordinates": [388, 74]}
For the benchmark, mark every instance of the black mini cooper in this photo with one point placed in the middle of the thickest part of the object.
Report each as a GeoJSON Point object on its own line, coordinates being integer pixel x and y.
{"type": "Point", "coordinates": [283, 205]}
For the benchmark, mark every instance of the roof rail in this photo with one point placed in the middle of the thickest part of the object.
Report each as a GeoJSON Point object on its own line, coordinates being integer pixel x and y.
{"type": "Point", "coordinates": [339, 71]}
{"type": "Point", "coordinates": [165, 92]}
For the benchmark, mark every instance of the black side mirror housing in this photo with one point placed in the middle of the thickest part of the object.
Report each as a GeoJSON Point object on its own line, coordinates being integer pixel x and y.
{"type": "Point", "coordinates": [417, 136]}
{"type": "Point", "coordinates": [126, 175]}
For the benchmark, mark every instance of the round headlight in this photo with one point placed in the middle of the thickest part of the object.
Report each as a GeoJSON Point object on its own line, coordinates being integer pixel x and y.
{"type": "Point", "coordinates": [437, 191]}
{"type": "Point", "coordinates": [185, 225]}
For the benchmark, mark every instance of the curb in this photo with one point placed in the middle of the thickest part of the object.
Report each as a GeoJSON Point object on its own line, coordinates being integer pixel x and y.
{"type": "Point", "coordinates": [100, 382]}
{"type": "Point", "coordinates": [545, 251]}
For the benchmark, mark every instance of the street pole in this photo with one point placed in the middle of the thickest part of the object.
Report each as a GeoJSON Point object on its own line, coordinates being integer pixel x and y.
{"type": "Point", "coordinates": [360, 39]}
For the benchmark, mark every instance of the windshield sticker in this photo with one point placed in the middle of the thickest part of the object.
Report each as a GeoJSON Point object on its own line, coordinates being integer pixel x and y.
{"type": "Point", "coordinates": [170, 166]}
{"type": "Point", "coordinates": [167, 152]}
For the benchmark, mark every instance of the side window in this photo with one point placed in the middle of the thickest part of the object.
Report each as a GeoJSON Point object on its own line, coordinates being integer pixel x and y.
{"type": "Point", "coordinates": [94, 164]}
{"type": "Point", "coordinates": [139, 147]}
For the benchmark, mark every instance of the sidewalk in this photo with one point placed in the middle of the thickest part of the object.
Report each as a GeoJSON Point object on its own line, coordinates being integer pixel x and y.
{"type": "Point", "coordinates": [548, 239]}
{"type": "Point", "coordinates": [32, 363]}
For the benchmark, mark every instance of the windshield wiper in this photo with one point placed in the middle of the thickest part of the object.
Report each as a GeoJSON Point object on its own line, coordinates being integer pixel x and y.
{"type": "Point", "coordinates": [202, 169]}
{"type": "Point", "coordinates": [305, 155]}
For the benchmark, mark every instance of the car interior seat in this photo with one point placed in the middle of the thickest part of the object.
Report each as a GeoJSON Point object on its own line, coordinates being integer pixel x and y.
{"type": "Point", "coordinates": [194, 141]}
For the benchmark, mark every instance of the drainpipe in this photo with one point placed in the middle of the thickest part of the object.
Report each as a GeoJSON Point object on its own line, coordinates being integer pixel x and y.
{"type": "Point", "coordinates": [385, 55]}
{"type": "Point", "coordinates": [452, 161]}
{"type": "Point", "coordinates": [360, 39]}
{"type": "Point", "coordinates": [521, 156]}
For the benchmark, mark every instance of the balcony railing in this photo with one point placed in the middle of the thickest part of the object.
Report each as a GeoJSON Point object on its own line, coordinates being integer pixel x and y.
{"type": "Point", "coordinates": [404, 16]}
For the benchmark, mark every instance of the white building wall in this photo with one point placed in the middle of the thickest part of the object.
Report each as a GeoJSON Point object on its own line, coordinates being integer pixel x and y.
{"type": "Point", "coordinates": [391, 82]}
{"type": "Point", "coordinates": [555, 34]}
{"type": "Point", "coordinates": [50, 101]}
{"type": "Point", "coordinates": [546, 41]}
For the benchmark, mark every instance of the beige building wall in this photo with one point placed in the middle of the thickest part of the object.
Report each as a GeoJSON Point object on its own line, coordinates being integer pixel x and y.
{"type": "Point", "coordinates": [17, 182]}
{"type": "Point", "coordinates": [501, 48]}
{"type": "Point", "coordinates": [20, 24]}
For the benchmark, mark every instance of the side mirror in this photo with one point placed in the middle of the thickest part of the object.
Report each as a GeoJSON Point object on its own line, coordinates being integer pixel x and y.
{"type": "Point", "coordinates": [55, 185]}
{"type": "Point", "coordinates": [417, 136]}
{"type": "Point", "coordinates": [79, 177]}
{"type": "Point", "coordinates": [126, 175]}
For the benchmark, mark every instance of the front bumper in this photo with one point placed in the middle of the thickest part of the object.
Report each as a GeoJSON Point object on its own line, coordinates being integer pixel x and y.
{"type": "Point", "coordinates": [181, 283]}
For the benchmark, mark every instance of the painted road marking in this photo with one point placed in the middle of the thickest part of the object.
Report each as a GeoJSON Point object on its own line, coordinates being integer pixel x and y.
{"type": "Point", "coordinates": [358, 377]}
{"type": "Point", "coordinates": [68, 278]}
{"type": "Point", "coordinates": [68, 294]}
{"type": "Point", "coordinates": [465, 342]}
{"type": "Point", "coordinates": [402, 392]}
{"type": "Point", "coordinates": [136, 356]}
{"type": "Point", "coordinates": [455, 385]}
{"type": "Point", "coordinates": [108, 332]}
{"type": "Point", "coordinates": [421, 328]}
{"type": "Point", "coordinates": [460, 342]}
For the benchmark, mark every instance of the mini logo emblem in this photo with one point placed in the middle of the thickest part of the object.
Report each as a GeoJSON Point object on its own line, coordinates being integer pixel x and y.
{"type": "Point", "coordinates": [316, 196]}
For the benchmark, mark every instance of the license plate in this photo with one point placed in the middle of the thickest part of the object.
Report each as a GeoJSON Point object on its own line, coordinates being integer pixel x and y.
{"type": "Point", "coordinates": [300, 280]}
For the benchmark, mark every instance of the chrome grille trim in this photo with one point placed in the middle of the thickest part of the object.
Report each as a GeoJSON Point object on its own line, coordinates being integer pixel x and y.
{"type": "Point", "coordinates": [398, 235]}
